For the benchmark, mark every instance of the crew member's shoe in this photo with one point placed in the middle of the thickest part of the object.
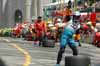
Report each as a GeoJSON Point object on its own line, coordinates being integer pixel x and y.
{"type": "Point", "coordinates": [57, 65]}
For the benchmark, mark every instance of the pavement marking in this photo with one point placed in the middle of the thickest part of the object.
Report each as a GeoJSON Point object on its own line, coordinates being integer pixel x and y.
{"type": "Point", "coordinates": [6, 40]}
{"type": "Point", "coordinates": [27, 55]}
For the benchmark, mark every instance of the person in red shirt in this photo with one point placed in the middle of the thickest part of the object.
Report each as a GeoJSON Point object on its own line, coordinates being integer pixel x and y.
{"type": "Point", "coordinates": [40, 29]}
{"type": "Point", "coordinates": [17, 30]}
{"type": "Point", "coordinates": [96, 40]}
{"type": "Point", "coordinates": [93, 18]}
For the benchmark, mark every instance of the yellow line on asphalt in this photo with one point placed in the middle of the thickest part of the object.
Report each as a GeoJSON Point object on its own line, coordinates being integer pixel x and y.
{"type": "Point", "coordinates": [27, 55]}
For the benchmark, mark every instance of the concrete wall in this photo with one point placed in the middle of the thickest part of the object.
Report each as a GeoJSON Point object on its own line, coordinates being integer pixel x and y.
{"type": "Point", "coordinates": [9, 12]}
{"type": "Point", "coordinates": [12, 5]}
{"type": "Point", "coordinates": [37, 8]}
{"type": "Point", "coordinates": [34, 9]}
{"type": "Point", "coordinates": [0, 13]}
{"type": "Point", "coordinates": [46, 1]}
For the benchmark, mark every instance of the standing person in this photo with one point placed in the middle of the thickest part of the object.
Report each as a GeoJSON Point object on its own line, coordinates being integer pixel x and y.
{"type": "Point", "coordinates": [40, 29]}
{"type": "Point", "coordinates": [77, 24]}
{"type": "Point", "coordinates": [67, 39]}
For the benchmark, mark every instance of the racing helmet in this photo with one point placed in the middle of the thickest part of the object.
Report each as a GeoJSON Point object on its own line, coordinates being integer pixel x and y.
{"type": "Point", "coordinates": [59, 20]}
{"type": "Point", "coordinates": [77, 13]}
{"type": "Point", "coordinates": [76, 16]}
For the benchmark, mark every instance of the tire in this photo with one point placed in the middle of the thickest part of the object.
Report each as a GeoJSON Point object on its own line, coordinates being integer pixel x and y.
{"type": "Point", "coordinates": [2, 63]}
{"type": "Point", "coordinates": [48, 43]}
{"type": "Point", "coordinates": [98, 44]}
{"type": "Point", "coordinates": [77, 61]}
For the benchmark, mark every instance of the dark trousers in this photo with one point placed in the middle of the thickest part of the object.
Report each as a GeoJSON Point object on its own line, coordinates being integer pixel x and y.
{"type": "Point", "coordinates": [40, 39]}
{"type": "Point", "coordinates": [62, 50]}
{"type": "Point", "coordinates": [78, 42]}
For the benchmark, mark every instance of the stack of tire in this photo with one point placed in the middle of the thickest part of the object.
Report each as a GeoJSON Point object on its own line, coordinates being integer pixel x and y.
{"type": "Point", "coordinates": [48, 43]}
{"type": "Point", "coordinates": [77, 61]}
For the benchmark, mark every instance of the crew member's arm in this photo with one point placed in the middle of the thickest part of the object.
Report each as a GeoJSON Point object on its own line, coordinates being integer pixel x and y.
{"type": "Point", "coordinates": [95, 39]}
{"type": "Point", "coordinates": [45, 27]}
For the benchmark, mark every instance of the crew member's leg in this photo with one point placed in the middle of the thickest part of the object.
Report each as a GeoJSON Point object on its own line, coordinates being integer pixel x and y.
{"type": "Point", "coordinates": [73, 46]}
{"type": "Point", "coordinates": [60, 53]}
{"type": "Point", "coordinates": [40, 40]}
{"type": "Point", "coordinates": [57, 36]}
{"type": "Point", "coordinates": [74, 49]}
{"type": "Point", "coordinates": [79, 43]}
{"type": "Point", "coordinates": [63, 44]}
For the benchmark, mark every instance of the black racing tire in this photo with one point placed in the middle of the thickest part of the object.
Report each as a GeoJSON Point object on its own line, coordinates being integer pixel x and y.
{"type": "Point", "coordinates": [48, 43]}
{"type": "Point", "coordinates": [98, 45]}
{"type": "Point", "coordinates": [2, 63]}
{"type": "Point", "coordinates": [77, 61]}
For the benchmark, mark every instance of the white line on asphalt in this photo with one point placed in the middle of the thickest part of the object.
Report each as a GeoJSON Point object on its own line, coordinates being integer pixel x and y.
{"type": "Point", "coordinates": [6, 40]}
